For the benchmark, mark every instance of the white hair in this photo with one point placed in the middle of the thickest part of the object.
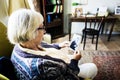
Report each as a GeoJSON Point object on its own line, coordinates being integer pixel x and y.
{"type": "Point", "coordinates": [22, 25]}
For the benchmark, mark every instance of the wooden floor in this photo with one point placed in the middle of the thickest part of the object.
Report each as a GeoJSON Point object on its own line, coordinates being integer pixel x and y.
{"type": "Point", "coordinates": [103, 44]}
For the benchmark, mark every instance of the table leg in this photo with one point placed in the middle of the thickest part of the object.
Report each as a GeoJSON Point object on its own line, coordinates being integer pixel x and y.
{"type": "Point", "coordinates": [109, 35]}
{"type": "Point", "coordinates": [69, 30]}
{"type": "Point", "coordinates": [102, 27]}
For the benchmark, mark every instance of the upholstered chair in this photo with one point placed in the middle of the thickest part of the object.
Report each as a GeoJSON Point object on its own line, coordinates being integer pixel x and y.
{"type": "Point", "coordinates": [5, 46]}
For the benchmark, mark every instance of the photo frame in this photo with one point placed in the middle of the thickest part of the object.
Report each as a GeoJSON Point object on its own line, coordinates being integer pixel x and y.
{"type": "Point", "coordinates": [78, 12]}
{"type": "Point", "coordinates": [117, 10]}
{"type": "Point", "coordinates": [74, 44]}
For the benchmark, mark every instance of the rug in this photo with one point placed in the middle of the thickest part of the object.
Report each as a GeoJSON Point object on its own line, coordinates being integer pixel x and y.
{"type": "Point", "coordinates": [108, 63]}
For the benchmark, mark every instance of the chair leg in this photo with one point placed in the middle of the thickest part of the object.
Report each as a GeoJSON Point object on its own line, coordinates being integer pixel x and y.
{"type": "Point", "coordinates": [97, 41]}
{"type": "Point", "coordinates": [82, 38]}
{"type": "Point", "coordinates": [92, 39]}
{"type": "Point", "coordinates": [84, 42]}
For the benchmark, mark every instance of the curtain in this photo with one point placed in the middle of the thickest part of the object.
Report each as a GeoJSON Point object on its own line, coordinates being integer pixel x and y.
{"type": "Point", "coordinates": [4, 11]}
{"type": "Point", "coordinates": [8, 6]}
{"type": "Point", "coordinates": [17, 4]}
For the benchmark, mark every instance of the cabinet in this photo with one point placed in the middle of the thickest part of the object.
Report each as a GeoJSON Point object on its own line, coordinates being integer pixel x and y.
{"type": "Point", "coordinates": [52, 11]}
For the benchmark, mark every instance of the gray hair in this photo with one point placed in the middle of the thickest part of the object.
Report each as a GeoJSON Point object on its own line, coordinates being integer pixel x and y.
{"type": "Point", "coordinates": [22, 25]}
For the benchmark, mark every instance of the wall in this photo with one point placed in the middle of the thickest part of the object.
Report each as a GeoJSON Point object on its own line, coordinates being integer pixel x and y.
{"type": "Point", "coordinates": [91, 6]}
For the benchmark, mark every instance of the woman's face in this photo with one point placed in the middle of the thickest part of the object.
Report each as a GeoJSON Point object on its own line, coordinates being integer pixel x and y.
{"type": "Point", "coordinates": [41, 32]}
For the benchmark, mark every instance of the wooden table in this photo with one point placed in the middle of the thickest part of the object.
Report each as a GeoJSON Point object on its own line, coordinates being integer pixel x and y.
{"type": "Point", "coordinates": [108, 19]}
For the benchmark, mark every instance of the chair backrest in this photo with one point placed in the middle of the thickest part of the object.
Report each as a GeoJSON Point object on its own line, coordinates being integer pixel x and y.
{"type": "Point", "coordinates": [5, 46]}
{"type": "Point", "coordinates": [7, 68]}
{"type": "Point", "coordinates": [94, 22]}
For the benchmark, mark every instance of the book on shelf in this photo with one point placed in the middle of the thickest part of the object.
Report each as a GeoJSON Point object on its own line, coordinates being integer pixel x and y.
{"type": "Point", "coordinates": [54, 9]}
{"type": "Point", "coordinates": [57, 9]}
{"type": "Point", "coordinates": [61, 8]}
{"type": "Point", "coordinates": [53, 1]}
{"type": "Point", "coordinates": [50, 1]}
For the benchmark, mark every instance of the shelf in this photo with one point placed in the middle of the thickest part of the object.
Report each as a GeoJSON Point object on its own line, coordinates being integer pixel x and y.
{"type": "Point", "coordinates": [53, 13]}
{"type": "Point", "coordinates": [55, 32]}
{"type": "Point", "coordinates": [55, 37]}
{"type": "Point", "coordinates": [50, 9]}
{"type": "Point", "coordinates": [53, 2]}
{"type": "Point", "coordinates": [53, 16]}
{"type": "Point", "coordinates": [54, 24]}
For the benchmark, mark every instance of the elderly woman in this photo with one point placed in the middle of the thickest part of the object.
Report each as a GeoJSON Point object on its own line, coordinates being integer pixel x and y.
{"type": "Point", "coordinates": [33, 59]}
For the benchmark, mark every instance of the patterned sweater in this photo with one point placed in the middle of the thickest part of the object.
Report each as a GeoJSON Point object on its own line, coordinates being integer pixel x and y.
{"type": "Point", "coordinates": [29, 66]}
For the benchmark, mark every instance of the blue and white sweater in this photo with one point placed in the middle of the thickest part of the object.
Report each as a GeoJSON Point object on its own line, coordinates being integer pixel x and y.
{"type": "Point", "coordinates": [29, 66]}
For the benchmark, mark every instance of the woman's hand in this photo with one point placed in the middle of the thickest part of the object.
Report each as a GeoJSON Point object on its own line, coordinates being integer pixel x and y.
{"type": "Point", "coordinates": [77, 55]}
{"type": "Point", "coordinates": [64, 44]}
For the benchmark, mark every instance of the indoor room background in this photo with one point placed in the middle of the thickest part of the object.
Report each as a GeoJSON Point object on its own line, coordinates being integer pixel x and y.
{"type": "Point", "coordinates": [91, 6]}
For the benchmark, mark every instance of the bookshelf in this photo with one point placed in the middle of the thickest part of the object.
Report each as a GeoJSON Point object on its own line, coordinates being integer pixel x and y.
{"type": "Point", "coordinates": [52, 11]}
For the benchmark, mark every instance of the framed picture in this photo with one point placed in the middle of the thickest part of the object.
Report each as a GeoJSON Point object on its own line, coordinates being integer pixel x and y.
{"type": "Point", "coordinates": [74, 44]}
{"type": "Point", "coordinates": [78, 12]}
{"type": "Point", "coordinates": [117, 11]}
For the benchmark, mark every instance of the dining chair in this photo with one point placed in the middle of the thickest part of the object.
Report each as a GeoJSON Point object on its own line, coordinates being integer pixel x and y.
{"type": "Point", "coordinates": [93, 26]}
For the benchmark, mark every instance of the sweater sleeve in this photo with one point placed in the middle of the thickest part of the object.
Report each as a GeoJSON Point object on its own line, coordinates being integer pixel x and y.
{"type": "Point", "coordinates": [74, 65]}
